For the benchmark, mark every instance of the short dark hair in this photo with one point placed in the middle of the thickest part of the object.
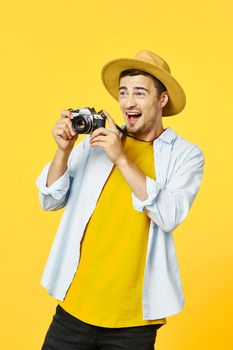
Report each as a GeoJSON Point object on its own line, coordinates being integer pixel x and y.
{"type": "Point", "coordinates": [160, 87]}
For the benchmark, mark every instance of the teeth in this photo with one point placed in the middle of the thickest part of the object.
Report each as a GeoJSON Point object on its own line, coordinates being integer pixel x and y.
{"type": "Point", "coordinates": [133, 114]}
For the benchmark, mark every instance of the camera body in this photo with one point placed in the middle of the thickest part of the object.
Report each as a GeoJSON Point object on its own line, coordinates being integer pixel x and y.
{"type": "Point", "coordinates": [86, 120]}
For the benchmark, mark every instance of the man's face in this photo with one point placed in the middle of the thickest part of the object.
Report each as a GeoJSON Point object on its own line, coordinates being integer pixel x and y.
{"type": "Point", "coordinates": [140, 106]}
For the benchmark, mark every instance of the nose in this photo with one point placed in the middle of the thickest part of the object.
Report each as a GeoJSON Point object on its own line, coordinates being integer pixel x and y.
{"type": "Point", "coordinates": [130, 101]}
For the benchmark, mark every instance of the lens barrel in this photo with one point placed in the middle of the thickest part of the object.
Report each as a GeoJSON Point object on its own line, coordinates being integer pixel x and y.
{"type": "Point", "coordinates": [82, 124]}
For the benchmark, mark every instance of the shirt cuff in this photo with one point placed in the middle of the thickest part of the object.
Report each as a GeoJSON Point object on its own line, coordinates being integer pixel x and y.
{"type": "Point", "coordinates": [152, 188]}
{"type": "Point", "coordinates": [58, 187]}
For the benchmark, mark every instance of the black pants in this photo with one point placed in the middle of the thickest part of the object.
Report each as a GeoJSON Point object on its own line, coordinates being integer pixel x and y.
{"type": "Point", "coordinates": [67, 332]}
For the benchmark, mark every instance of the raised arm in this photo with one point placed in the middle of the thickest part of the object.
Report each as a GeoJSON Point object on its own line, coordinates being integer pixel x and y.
{"type": "Point", "coordinates": [55, 179]}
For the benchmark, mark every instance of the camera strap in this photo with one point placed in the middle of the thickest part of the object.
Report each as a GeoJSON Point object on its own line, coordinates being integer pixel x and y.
{"type": "Point", "coordinates": [123, 131]}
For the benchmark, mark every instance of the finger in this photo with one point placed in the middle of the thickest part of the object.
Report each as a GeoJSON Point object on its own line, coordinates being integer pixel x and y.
{"type": "Point", "coordinates": [69, 124]}
{"type": "Point", "coordinates": [98, 138]}
{"type": "Point", "coordinates": [111, 122]}
{"type": "Point", "coordinates": [67, 130]}
{"type": "Point", "coordinates": [99, 131]}
{"type": "Point", "coordinates": [66, 114]}
{"type": "Point", "coordinates": [98, 143]}
{"type": "Point", "coordinates": [105, 132]}
{"type": "Point", "coordinates": [66, 123]}
{"type": "Point", "coordinates": [62, 133]}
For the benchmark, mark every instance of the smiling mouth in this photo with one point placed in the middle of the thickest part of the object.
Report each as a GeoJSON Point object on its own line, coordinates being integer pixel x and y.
{"type": "Point", "coordinates": [133, 116]}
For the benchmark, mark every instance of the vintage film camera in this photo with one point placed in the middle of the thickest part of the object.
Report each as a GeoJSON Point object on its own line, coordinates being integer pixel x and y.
{"type": "Point", "coordinates": [86, 120]}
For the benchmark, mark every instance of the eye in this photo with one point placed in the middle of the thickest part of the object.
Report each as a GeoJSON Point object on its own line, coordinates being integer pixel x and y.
{"type": "Point", "coordinates": [122, 93]}
{"type": "Point", "coordinates": [140, 93]}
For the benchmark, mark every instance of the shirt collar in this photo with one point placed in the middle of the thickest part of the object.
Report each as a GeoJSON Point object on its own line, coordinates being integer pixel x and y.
{"type": "Point", "coordinates": [168, 135]}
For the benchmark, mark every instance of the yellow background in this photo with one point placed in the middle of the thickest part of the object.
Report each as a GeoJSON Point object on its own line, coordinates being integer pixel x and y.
{"type": "Point", "coordinates": [52, 53]}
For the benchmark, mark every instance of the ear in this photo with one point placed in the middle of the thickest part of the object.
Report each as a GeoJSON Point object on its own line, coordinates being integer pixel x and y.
{"type": "Point", "coordinates": [164, 98]}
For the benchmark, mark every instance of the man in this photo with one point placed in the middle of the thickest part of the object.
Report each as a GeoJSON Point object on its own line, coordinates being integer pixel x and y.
{"type": "Point", "coordinates": [113, 266]}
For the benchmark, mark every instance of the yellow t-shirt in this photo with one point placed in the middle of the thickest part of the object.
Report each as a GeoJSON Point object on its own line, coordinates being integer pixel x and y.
{"type": "Point", "coordinates": [107, 288]}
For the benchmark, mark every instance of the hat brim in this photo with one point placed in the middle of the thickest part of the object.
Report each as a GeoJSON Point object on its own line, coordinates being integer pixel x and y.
{"type": "Point", "coordinates": [110, 77]}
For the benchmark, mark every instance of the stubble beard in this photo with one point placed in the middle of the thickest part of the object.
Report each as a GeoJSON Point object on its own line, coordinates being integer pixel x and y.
{"type": "Point", "coordinates": [140, 131]}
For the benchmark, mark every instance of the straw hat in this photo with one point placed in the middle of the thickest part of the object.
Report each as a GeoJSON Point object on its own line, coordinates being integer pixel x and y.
{"type": "Point", "coordinates": [149, 62]}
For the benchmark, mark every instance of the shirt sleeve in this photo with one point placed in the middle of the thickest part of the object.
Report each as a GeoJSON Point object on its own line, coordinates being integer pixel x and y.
{"type": "Point", "coordinates": [56, 195]}
{"type": "Point", "coordinates": [169, 206]}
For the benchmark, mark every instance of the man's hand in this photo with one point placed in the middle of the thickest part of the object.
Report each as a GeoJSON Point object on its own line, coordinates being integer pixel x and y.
{"type": "Point", "coordinates": [63, 132]}
{"type": "Point", "coordinates": [110, 140]}
{"type": "Point", "coordinates": [65, 138]}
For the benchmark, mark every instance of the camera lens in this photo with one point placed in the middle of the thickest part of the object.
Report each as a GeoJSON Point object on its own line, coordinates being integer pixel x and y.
{"type": "Point", "coordinates": [82, 124]}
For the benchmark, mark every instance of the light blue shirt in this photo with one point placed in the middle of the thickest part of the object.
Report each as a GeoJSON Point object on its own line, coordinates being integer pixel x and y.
{"type": "Point", "coordinates": [179, 170]}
